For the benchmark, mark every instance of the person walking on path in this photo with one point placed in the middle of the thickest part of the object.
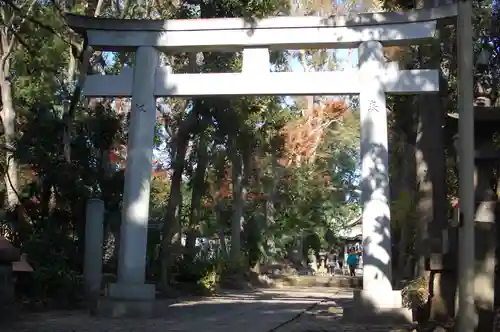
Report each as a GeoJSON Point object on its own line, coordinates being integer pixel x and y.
{"type": "Point", "coordinates": [352, 261]}
{"type": "Point", "coordinates": [331, 262]}
{"type": "Point", "coordinates": [340, 260]}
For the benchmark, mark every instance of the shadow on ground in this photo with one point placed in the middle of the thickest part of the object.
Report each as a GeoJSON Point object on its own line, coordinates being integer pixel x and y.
{"type": "Point", "coordinates": [256, 311]}
{"type": "Point", "coordinates": [283, 310]}
{"type": "Point", "coordinates": [328, 316]}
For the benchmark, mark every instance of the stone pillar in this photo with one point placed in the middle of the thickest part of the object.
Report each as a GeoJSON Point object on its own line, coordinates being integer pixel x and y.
{"type": "Point", "coordinates": [92, 266]}
{"type": "Point", "coordinates": [374, 170]}
{"type": "Point", "coordinates": [255, 60]}
{"type": "Point", "coordinates": [466, 314]}
{"type": "Point", "coordinates": [135, 212]}
{"type": "Point", "coordinates": [377, 301]}
{"type": "Point", "coordinates": [485, 242]}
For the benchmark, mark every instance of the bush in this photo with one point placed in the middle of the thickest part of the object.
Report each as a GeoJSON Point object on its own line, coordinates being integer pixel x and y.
{"type": "Point", "coordinates": [57, 283]}
{"type": "Point", "coordinates": [54, 279]}
{"type": "Point", "coordinates": [227, 267]}
{"type": "Point", "coordinates": [206, 272]}
{"type": "Point", "coordinates": [200, 273]}
{"type": "Point", "coordinates": [209, 282]}
{"type": "Point", "coordinates": [233, 273]}
{"type": "Point", "coordinates": [416, 293]}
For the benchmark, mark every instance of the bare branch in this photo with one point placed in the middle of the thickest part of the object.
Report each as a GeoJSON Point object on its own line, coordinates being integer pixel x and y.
{"type": "Point", "coordinates": [8, 43]}
{"type": "Point", "coordinates": [126, 7]}
{"type": "Point", "coordinates": [7, 47]}
{"type": "Point", "coordinates": [98, 8]}
{"type": "Point", "coordinates": [22, 14]}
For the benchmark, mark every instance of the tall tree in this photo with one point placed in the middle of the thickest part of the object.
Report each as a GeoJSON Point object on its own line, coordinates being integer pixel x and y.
{"type": "Point", "coordinates": [9, 41]}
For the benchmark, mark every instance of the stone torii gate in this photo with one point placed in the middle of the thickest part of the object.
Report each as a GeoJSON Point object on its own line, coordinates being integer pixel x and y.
{"type": "Point", "coordinates": [372, 81]}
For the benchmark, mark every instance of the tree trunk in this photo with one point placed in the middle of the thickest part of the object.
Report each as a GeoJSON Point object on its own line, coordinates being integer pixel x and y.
{"type": "Point", "coordinates": [238, 205]}
{"type": "Point", "coordinates": [402, 184]}
{"type": "Point", "coordinates": [220, 168]}
{"type": "Point", "coordinates": [222, 235]}
{"type": "Point", "coordinates": [269, 208]}
{"type": "Point", "coordinates": [171, 221]}
{"type": "Point", "coordinates": [196, 196]}
{"type": "Point", "coordinates": [432, 207]}
{"type": "Point", "coordinates": [269, 213]}
{"type": "Point", "coordinates": [8, 113]}
{"type": "Point", "coordinates": [9, 126]}
{"type": "Point", "coordinates": [241, 172]}
{"type": "Point", "coordinates": [425, 202]}
{"type": "Point", "coordinates": [405, 187]}
{"type": "Point", "coordinates": [431, 176]}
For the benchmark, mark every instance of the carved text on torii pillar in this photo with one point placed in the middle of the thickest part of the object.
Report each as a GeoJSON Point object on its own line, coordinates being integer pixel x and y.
{"type": "Point", "coordinates": [140, 107]}
{"type": "Point", "coordinates": [372, 106]}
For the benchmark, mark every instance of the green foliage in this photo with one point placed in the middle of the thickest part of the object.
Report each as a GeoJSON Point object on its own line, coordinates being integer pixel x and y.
{"type": "Point", "coordinates": [401, 209]}
{"type": "Point", "coordinates": [54, 257]}
{"type": "Point", "coordinates": [416, 293]}
{"type": "Point", "coordinates": [311, 245]}
{"type": "Point", "coordinates": [232, 272]}
{"type": "Point", "coordinates": [310, 199]}
{"type": "Point", "coordinates": [330, 237]}
{"type": "Point", "coordinates": [321, 196]}
{"type": "Point", "coordinates": [206, 272]}
{"type": "Point", "coordinates": [160, 190]}
{"type": "Point", "coordinates": [201, 273]}
{"type": "Point", "coordinates": [38, 66]}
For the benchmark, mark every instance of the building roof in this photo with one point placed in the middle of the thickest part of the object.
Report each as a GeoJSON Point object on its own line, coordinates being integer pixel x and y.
{"type": "Point", "coordinates": [354, 229]}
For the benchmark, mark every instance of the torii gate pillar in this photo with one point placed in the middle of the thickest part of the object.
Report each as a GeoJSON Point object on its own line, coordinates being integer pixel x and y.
{"type": "Point", "coordinates": [377, 300]}
{"type": "Point", "coordinates": [374, 172]}
{"type": "Point", "coordinates": [130, 295]}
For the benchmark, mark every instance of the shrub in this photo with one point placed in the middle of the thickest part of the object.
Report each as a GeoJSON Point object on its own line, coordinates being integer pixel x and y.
{"type": "Point", "coordinates": [55, 277]}
{"type": "Point", "coordinates": [232, 273]}
{"type": "Point", "coordinates": [416, 293]}
{"type": "Point", "coordinates": [200, 273]}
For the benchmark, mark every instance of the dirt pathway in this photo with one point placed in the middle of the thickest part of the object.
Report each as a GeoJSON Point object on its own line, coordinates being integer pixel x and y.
{"type": "Point", "coordinates": [281, 310]}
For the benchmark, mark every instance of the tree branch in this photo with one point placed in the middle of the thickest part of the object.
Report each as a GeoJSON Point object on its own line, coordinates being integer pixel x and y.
{"type": "Point", "coordinates": [98, 8]}
{"type": "Point", "coordinates": [22, 14]}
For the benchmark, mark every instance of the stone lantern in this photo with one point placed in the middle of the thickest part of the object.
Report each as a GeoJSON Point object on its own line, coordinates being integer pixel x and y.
{"type": "Point", "coordinates": [487, 164]}
{"type": "Point", "coordinates": [487, 158]}
{"type": "Point", "coordinates": [8, 255]}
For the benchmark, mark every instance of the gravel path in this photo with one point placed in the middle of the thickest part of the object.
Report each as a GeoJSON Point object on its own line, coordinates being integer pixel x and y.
{"type": "Point", "coordinates": [279, 310]}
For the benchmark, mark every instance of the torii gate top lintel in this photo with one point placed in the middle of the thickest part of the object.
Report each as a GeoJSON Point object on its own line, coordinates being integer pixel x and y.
{"type": "Point", "coordinates": [81, 22]}
{"type": "Point", "coordinates": [392, 28]}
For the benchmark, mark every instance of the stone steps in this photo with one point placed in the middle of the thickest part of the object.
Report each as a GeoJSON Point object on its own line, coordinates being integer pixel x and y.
{"type": "Point", "coordinates": [319, 281]}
